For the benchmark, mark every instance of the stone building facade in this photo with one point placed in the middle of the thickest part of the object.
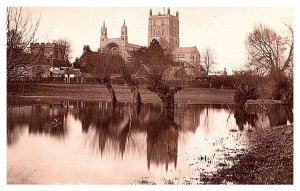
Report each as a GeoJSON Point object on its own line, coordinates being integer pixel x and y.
{"type": "Point", "coordinates": [119, 46]}
{"type": "Point", "coordinates": [164, 27]}
{"type": "Point", "coordinates": [190, 59]}
{"type": "Point", "coordinates": [52, 51]}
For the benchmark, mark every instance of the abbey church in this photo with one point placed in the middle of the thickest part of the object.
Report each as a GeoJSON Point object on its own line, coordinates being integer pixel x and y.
{"type": "Point", "coordinates": [163, 27]}
{"type": "Point", "coordinates": [117, 45]}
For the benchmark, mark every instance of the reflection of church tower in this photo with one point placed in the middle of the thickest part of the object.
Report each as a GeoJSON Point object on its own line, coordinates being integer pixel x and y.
{"type": "Point", "coordinates": [103, 33]}
{"type": "Point", "coordinates": [124, 35]}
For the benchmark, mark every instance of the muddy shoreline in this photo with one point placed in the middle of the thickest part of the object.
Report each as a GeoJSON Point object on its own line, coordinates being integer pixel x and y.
{"type": "Point", "coordinates": [269, 160]}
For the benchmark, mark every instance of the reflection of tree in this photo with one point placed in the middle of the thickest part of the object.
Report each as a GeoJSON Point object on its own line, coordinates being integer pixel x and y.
{"type": "Point", "coordinates": [17, 117]}
{"type": "Point", "coordinates": [279, 114]}
{"type": "Point", "coordinates": [113, 130]}
{"type": "Point", "coordinates": [162, 140]}
{"type": "Point", "coordinates": [39, 118]}
{"type": "Point", "coordinates": [111, 126]}
{"type": "Point", "coordinates": [243, 118]}
{"type": "Point", "coordinates": [276, 115]}
{"type": "Point", "coordinates": [48, 120]}
{"type": "Point", "coordinates": [188, 116]}
{"type": "Point", "coordinates": [289, 113]}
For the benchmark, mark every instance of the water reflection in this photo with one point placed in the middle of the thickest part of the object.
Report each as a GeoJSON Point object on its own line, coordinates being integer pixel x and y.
{"type": "Point", "coordinates": [149, 138]}
{"type": "Point", "coordinates": [115, 129]}
{"type": "Point", "coordinates": [261, 116]}
{"type": "Point", "coordinates": [243, 118]}
{"type": "Point", "coordinates": [162, 140]}
{"type": "Point", "coordinates": [40, 119]}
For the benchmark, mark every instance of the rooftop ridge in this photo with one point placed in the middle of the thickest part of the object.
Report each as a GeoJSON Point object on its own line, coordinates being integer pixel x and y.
{"type": "Point", "coordinates": [45, 44]}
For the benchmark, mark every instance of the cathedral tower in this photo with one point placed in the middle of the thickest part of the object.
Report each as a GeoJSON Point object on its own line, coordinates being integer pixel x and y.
{"type": "Point", "coordinates": [165, 28]}
{"type": "Point", "coordinates": [103, 36]}
{"type": "Point", "coordinates": [124, 35]}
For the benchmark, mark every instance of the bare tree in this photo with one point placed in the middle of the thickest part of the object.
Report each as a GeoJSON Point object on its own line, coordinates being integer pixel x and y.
{"type": "Point", "coordinates": [102, 66]}
{"type": "Point", "coordinates": [20, 32]}
{"type": "Point", "coordinates": [156, 65]}
{"type": "Point", "coordinates": [271, 54]}
{"type": "Point", "coordinates": [209, 60]}
{"type": "Point", "coordinates": [128, 71]}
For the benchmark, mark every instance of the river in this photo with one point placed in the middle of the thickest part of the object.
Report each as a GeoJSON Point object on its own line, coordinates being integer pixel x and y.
{"type": "Point", "coordinates": [84, 142]}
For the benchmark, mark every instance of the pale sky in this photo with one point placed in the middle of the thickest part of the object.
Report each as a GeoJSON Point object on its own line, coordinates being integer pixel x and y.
{"type": "Point", "coordinates": [222, 29]}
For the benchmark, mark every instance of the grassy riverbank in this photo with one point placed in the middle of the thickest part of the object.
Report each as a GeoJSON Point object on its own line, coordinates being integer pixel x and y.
{"type": "Point", "coordinates": [269, 160]}
{"type": "Point", "coordinates": [44, 93]}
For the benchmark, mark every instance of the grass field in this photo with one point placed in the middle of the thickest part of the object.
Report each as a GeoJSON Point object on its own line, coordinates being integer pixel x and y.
{"type": "Point", "coordinates": [22, 93]}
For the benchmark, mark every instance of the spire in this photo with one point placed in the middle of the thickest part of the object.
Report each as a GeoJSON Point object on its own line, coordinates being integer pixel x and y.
{"type": "Point", "coordinates": [177, 13]}
{"type": "Point", "coordinates": [124, 31]}
{"type": "Point", "coordinates": [168, 11]}
{"type": "Point", "coordinates": [103, 30]}
{"type": "Point", "coordinates": [150, 12]}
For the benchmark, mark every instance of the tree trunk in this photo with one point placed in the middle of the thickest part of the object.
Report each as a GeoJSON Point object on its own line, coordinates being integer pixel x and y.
{"type": "Point", "coordinates": [168, 114]}
{"type": "Point", "coordinates": [111, 91]}
{"type": "Point", "coordinates": [168, 100]}
{"type": "Point", "coordinates": [136, 97]}
{"type": "Point", "coordinates": [289, 98]}
{"type": "Point", "coordinates": [240, 104]}
{"type": "Point", "coordinates": [242, 95]}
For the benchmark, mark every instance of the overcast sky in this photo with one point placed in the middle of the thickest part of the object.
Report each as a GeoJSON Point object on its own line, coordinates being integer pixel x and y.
{"type": "Point", "coordinates": [222, 29]}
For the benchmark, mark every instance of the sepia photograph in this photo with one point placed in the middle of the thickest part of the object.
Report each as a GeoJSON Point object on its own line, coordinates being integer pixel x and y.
{"type": "Point", "coordinates": [151, 95]}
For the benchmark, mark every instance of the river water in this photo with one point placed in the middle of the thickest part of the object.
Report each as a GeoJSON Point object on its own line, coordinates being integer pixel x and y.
{"type": "Point", "coordinates": [79, 142]}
